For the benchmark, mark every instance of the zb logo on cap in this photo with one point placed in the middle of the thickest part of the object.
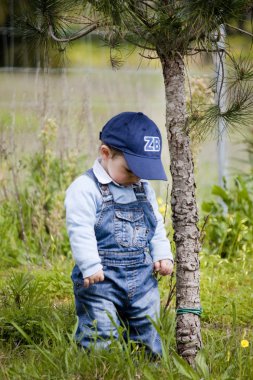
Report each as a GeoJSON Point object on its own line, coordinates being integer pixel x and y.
{"type": "Point", "coordinates": [152, 144]}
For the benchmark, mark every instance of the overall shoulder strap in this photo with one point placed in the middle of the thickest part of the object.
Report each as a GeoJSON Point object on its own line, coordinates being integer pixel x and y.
{"type": "Point", "coordinates": [139, 191]}
{"type": "Point", "coordinates": [103, 188]}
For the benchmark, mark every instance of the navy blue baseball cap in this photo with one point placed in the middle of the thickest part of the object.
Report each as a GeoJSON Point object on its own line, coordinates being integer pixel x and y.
{"type": "Point", "coordinates": [139, 139]}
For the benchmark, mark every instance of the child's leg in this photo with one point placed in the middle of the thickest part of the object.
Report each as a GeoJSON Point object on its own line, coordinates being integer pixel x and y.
{"type": "Point", "coordinates": [140, 326]}
{"type": "Point", "coordinates": [97, 316]}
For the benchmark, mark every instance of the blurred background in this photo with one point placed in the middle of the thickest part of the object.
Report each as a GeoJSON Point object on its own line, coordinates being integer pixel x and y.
{"type": "Point", "coordinates": [80, 91]}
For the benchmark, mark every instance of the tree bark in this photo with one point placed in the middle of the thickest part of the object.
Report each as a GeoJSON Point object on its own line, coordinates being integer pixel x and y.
{"type": "Point", "coordinates": [184, 208]}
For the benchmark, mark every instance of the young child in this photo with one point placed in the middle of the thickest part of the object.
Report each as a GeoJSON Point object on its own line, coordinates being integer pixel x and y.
{"type": "Point", "coordinates": [117, 235]}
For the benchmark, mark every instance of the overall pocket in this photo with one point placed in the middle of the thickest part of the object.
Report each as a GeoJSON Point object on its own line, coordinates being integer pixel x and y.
{"type": "Point", "coordinates": [129, 228]}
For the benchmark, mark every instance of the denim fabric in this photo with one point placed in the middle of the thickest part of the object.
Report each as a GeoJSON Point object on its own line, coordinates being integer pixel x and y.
{"type": "Point", "coordinates": [129, 292]}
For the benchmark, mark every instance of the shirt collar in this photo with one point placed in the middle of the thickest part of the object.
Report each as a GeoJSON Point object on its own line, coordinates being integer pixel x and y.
{"type": "Point", "coordinates": [102, 175]}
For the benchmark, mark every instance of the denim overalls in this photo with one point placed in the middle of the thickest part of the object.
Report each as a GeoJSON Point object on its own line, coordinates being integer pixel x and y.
{"type": "Point", "coordinates": [129, 292]}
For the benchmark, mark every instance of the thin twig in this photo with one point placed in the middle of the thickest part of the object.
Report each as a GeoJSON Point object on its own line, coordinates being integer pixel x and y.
{"type": "Point", "coordinates": [166, 204]}
{"type": "Point", "coordinates": [171, 294]}
{"type": "Point", "coordinates": [20, 208]}
{"type": "Point", "coordinates": [74, 37]}
{"type": "Point", "coordinates": [147, 56]}
{"type": "Point", "coordinates": [202, 235]}
{"type": "Point", "coordinates": [198, 50]}
{"type": "Point", "coordinates": [139, 45]}
{"type": "Point", "coordinates": [240, 30]}
{"type": "Point", "coordinates": [84, 20]}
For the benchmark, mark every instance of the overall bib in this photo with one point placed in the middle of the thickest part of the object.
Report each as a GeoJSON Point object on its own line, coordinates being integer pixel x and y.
{"type": "Point", "coordinates": [129, 292]}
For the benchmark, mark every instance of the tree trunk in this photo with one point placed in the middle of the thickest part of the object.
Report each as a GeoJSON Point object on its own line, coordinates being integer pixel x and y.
{"type": "Point", "coordinates": [184, 208]}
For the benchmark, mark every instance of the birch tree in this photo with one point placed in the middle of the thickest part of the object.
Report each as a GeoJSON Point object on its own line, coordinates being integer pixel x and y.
{"type": "Point", "coordinates": [167, 30]}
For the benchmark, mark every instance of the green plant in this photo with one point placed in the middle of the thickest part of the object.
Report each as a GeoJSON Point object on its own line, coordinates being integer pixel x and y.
{"type": "Point", "coordinates": [32, 221]}
{"type": "Point", "coordinates": [26, 303]}
{"type": "Point", "coordinates": [229, 234]}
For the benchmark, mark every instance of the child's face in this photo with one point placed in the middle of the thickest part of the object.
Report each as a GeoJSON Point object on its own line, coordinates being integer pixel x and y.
{"type": "Point", "coordinates": [117, 167]}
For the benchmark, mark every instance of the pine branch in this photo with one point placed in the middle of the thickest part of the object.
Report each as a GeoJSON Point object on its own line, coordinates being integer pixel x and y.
{"type": "Point", "coordinates": [199, 50]}
{"type": "Point", "coordinates": [79, 20]}
{"type": "Point", "coordinates": [115, 59]}
{"type": "Point", "coordinates": [74, 36]}
{"type": "Point", "coordinates": [241, 70]}
{"type": "Point", "coordinates": [138, 15]}
{"type": "Point", "coordinates": [239, 30]}
{"type": "Point", "coordinates": [238, 113]}
{"type": "Point", "coordinates": [148, 56]}
{"type": "Point", "coordinates": [138, 44]}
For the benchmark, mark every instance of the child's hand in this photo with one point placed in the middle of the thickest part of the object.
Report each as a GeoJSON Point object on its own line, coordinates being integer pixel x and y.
{"type": "Point", "coordinates": [163, 267]}
{"type": "Point", "coordinates": [96, 277]}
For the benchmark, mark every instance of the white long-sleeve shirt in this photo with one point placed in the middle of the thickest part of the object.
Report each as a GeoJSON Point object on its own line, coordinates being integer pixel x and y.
{"type": "Point", "coordinates": [83, 204]}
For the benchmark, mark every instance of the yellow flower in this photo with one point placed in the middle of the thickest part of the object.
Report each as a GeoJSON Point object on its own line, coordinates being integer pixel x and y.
{"type": "Point", "coordinates": [244, 343]}
{"type": "Point", "coordinates": [162, 209]}
{"type": "Point", "coordinates": [159, 201]}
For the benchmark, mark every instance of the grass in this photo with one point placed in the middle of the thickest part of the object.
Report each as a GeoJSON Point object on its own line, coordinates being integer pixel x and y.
{"type": "Point", "coordinates": [225, 296]}
{"type": "Point", "coordinates": [38, 320]}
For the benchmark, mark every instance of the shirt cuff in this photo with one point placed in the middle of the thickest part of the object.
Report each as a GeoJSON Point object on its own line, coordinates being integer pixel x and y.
{"type": "Point", "coordinates": [90, 270]}
{"type": "Point", "coordinates": [159, 252]}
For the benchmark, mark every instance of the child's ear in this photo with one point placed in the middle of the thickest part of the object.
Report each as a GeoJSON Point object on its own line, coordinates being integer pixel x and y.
{"type": "Point", "coordinates": [105, 152]}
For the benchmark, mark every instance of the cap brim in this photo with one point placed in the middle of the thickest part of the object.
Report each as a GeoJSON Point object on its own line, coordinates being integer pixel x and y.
{"type": "Point", "coordinates": [146, 168]}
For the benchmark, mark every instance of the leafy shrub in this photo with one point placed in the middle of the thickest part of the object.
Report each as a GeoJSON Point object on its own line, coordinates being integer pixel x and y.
{"type": "Point", "coordinates": [229, 233]}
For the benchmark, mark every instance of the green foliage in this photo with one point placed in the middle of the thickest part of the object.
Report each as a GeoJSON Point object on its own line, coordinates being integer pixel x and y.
{"type": "Point", "coordinates": [225, 295]}
{"type": "Point", "coordinates": [229, 234]}
{"type": "Point", "coordinates": [32, 222]}
{"type": "Point", "coordinates": [169, 27]}
{"type": "Point", "coordinates": [207, 16]}
{"type": "Point", "coordinates": [38, 322]}
{"type": "Point", "coordinates": [237, 111]}
{"type": "Point", "coordinates": [26, 303]}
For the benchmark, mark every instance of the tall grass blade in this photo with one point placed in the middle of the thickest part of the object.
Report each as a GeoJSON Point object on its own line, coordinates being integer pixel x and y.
{"type": "Point", "coordinates": [184, 368]}
{"type": "Point", "coordinates": [29, 340]}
